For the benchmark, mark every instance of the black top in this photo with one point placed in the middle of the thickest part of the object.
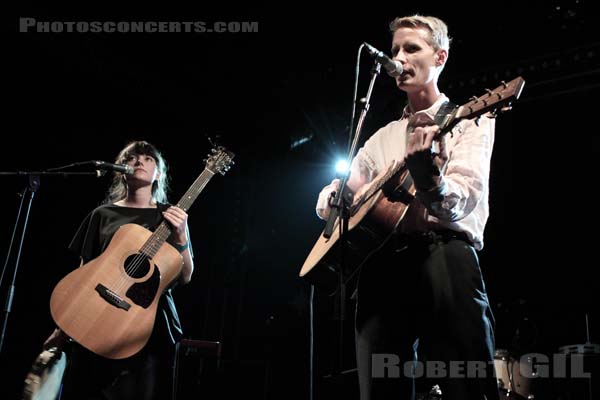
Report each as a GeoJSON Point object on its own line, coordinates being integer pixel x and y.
{"type": "Point", "coordinates": [94, 235]}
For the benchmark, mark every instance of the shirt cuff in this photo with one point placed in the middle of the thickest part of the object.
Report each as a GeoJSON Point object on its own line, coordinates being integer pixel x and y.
{"type": "Point", "coordinates": [433, 195]}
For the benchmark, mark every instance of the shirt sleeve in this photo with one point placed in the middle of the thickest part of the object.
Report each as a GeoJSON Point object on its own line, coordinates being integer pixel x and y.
{"type": "Point", "coordinates": [85, 243]}
{"type": "Point", "coordinates": [466, 178]}
{"type": "Point", "coordinates": [322, 207]}
{"type": "Point", "coordinates": [363, 169]}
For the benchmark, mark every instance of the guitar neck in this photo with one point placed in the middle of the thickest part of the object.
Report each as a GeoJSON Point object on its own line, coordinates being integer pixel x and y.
{"type": "Point", "coordinates": [162, 233]}
{"type": "Point", "coordinates": [194, 191]}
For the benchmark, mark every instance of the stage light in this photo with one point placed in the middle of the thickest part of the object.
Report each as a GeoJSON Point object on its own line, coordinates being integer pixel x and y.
{"type": "Point", "coordinates": [342, 167]}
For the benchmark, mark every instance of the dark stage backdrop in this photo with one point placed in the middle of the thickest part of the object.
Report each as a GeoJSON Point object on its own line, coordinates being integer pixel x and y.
{"type": "Point", "coordinates": [280, 99]}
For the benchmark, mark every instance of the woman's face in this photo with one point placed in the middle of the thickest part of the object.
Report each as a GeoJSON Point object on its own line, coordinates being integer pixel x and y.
{"type": "Point", "coordinates": [145, 167]}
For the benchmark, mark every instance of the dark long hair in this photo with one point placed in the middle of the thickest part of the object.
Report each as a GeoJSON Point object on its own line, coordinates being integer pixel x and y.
{"type": "Point", "coordinates": [118, 188]}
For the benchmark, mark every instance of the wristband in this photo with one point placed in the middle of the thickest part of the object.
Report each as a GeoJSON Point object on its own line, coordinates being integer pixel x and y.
{"type": "Point", "coordinates": [181, 247]}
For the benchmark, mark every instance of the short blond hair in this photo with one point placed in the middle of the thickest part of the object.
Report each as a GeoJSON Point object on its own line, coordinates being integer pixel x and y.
{"type": "Point", "coordinates": [438, 30]}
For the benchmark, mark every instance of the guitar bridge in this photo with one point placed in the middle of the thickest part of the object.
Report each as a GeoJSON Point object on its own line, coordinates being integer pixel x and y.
{"type": "Point", "coordinates": [112, 298]}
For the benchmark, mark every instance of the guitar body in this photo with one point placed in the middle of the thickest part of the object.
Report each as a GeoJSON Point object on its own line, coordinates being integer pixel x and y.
{"type": "Point", "coordinates": [108, 310]}
{"type": "Point", "coordinates": [370, 224]}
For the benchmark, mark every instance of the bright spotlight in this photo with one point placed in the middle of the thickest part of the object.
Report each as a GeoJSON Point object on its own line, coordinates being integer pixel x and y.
{"type": "Point", "coordinates": [341, 167]}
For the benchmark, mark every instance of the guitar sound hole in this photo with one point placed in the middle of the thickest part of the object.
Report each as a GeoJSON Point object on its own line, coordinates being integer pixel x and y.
{"type": "Point", "coordinates": [137, 266]}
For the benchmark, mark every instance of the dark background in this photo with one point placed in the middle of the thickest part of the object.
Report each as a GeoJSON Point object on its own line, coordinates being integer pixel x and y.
{"type": "Point", "coordinates": [74, 97]}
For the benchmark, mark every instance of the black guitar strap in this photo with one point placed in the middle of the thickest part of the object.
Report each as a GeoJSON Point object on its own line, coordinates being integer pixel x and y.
{"type": "Point", "coordinates": [445, 111]}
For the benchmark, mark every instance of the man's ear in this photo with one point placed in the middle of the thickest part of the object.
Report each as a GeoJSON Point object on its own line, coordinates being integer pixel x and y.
{"type": "Point", "coordinates": [440, 57]}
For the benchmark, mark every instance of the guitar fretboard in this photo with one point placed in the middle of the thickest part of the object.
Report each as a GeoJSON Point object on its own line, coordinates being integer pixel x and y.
{"type": "Point", "coordinates": [162, 233]}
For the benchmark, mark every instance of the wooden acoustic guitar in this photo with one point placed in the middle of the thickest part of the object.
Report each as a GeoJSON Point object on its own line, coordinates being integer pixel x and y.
{"type": "Point", "coordinates": [379, 207]}
{"type": "Point", "coordinates": [109, 304]}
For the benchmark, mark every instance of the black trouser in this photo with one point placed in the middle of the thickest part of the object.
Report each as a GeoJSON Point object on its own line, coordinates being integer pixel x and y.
{"type": "Point", "coordinates": [431, 292]}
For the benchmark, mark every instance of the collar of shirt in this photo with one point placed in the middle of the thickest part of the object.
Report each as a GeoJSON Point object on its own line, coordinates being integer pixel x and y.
{"type": "Point", "coordinates": [424, 116]}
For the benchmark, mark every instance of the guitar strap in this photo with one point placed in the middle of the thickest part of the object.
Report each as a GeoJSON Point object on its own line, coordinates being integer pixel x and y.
{"type": "Point", "coordinates": [441, 118]}
{"type": "Point", "coordinates": [445, 111]}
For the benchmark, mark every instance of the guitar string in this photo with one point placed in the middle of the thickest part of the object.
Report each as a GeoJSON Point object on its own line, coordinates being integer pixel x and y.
{"type": "Point", "coordinates": [152, 246]}
{"type": "Point", "coordinates": [147, 251]}
{"type": "Point", "coordinates": [445, 122]}
{"type": "Point", "coordinates": [149, 248]}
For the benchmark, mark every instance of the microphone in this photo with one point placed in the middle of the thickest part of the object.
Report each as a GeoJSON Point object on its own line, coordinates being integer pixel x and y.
{"type": "Point", "coordinates": [105, 166]}
{"type": "Point", "coordinates": [393, 67]}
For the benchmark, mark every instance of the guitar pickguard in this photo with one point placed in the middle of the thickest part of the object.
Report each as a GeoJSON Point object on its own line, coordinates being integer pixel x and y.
{"type": "Point", "coordinates": [143, 293]}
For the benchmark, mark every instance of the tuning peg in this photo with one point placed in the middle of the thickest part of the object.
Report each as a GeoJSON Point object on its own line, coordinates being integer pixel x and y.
{"type": "Point", "coordinates": [213, 143]}
{"type": "Point", "coordinates": [491, 93]}
{"type": "Point", "coordinates": [213, 150]}
{"type": "Point", "coordinates": [474, 99]}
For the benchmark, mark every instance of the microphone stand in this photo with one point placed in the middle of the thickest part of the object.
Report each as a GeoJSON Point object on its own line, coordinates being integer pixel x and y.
{"type": "Point", "coordinates": [33, 184]}
{"type": "Point", "coordinates": [340, 210]}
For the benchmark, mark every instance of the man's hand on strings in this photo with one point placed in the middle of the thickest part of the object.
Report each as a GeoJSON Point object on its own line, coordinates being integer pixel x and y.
{"type": "Point", "coordinates": [424, 164]}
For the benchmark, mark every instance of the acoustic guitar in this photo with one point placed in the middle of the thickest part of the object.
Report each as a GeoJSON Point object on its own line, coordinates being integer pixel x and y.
{"type": "Point", "coordinates": [379, 207]}
{"type": "Point", "coordinates": [109, 304]}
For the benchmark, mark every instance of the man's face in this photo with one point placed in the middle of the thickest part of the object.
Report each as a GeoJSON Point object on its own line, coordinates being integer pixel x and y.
{"type": "Point", "coordinates": [418, 58]}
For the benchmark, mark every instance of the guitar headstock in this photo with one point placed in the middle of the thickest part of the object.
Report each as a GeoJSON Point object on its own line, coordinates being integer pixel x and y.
{"type": "Point", "coordinates": [220, 160]}
{"type": "Point", "coordinates": [494, 100]}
